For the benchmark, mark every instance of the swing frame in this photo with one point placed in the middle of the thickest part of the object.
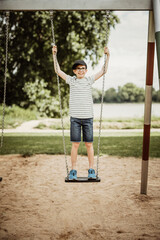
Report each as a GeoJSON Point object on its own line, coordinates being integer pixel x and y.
{"type": "Point", "coordinates": [70, 5]}
{"type": "Point", "coordinates": [115, 5]}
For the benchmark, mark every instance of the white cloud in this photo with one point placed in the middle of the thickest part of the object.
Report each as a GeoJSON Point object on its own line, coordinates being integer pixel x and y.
{"type": "Point", "coordinates": [128, 47]}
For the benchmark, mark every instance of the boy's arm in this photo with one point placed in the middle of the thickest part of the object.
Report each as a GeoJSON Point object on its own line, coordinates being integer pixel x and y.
{"type": "Point", "coordinates": [57, 69]}
{"type": "Point", "coordinates": [101, 73]}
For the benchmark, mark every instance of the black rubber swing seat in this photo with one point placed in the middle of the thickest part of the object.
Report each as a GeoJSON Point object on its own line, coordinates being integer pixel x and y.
{"type": "Point", "coordinates": [83, 179]}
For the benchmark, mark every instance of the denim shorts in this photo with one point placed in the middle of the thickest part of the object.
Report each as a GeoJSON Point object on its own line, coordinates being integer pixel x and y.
{"type": "Point", "coordinates": [76, 124]}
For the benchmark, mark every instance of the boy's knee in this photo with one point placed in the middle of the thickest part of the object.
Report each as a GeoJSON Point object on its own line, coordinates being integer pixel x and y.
{"type": "Point", "coordinates": [88, 144]}
{"type": "Point", "coordinates": [75, 144]}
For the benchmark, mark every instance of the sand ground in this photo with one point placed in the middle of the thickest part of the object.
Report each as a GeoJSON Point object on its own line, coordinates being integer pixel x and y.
{"type": "Point", "coordinates": [36, 203]}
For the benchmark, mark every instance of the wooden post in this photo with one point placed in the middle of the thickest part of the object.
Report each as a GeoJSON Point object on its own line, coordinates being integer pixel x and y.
{"type": "Point", "coordinates": [148, 104]}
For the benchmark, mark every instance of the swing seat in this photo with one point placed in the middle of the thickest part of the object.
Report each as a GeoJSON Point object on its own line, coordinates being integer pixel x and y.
{"type": "Point", "coordinates": [83, 179]}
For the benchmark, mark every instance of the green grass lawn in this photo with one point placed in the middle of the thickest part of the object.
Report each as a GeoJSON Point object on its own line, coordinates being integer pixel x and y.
{"type": "Point", "coordinates": [124, 146]}
{"type": "Point", "coordinates": [120, 144]}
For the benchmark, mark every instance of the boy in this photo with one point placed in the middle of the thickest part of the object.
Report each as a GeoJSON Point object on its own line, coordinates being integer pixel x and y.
{"type": "Point", "coordinates": [81, 109]}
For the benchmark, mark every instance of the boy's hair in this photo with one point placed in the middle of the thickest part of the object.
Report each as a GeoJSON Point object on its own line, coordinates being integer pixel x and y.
{"type": "Point", "coordinates": [79, 62]}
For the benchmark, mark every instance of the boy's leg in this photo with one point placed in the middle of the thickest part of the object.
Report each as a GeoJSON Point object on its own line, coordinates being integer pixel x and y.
{"type": "Point", "coordinates": [88, 139]}
{"type": "Point", "coordinates": [74, 151]}
{"type": "Point", "coordinates": [75, 137]}
{"type": "Point", "coordinates": [90, 152]}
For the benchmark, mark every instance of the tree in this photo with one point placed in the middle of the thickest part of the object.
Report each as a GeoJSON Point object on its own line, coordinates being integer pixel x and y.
{"type": "Point", "coordinates": [155, 95]}
{"type": "Point", "coordinates": [158, 96]}
{"type": "Point", "coordinates": [40, 99]}
{"type": "Point", "coordinates": [110, 95]}
{"type": "Point", "coordinates": [96, 94]}
{"type": "Point", "coordinates": [78, 35]}
{"type": "Point", "coordinates": [130, 93]}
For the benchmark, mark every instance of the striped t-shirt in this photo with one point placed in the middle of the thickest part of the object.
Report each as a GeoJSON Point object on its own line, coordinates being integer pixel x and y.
{"type": "Point", "coordinates": [80, 102]}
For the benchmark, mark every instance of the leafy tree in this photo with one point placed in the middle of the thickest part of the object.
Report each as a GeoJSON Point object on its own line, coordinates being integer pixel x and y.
{"type": "Point", "coordinates": [130, 93]}
{"type": "Point", "coordinates": [40, 99]}
{"type": "Point", "coordinates": [127, 93]}
{"type": "Point", "coordinates": [78, 35]}
{"type": "Point", "coordinates": [96, 94]}
{"type": "Point", "coordinates": [155, 95]}
{"type": "Point", "coordinates": [110, 95]}
{"type": "Point", "coordinates": [140, 95]}
{"type": "Point", "coordinates": [158, 96]}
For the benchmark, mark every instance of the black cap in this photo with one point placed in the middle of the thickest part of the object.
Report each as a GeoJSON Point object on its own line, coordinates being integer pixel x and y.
{"type": "Point", "coordinates": [78, 62]}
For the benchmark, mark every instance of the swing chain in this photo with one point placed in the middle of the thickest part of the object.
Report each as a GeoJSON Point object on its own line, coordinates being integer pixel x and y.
{"type": "Point", "coordinates": [59, 94]}
{"type": "Point", "coordinates": [5, 76]}
{"type": "Point", "coordinates": [107, 16]}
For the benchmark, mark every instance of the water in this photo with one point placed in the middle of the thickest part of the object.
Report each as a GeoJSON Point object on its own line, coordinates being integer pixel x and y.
{"type": "Point", "coordinates": [124, 110]}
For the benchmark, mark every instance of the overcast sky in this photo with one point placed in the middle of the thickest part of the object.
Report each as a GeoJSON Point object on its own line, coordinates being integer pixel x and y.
{"type": "Point", "coordinates": [128, 48]}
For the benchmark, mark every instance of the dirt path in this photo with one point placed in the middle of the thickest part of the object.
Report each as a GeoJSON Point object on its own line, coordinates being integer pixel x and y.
{"type": "Point", "coordinates": [31, 127]}
{"type": "Point", "coordinates": [36, 203]}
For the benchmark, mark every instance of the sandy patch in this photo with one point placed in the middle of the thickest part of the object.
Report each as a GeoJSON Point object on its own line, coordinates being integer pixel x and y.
{"type": "Point", "coordinates": [36, 203]}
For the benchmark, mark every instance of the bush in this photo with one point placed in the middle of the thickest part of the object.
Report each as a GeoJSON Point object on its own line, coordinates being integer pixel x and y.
{"type": "Point", "coordinates": [96, 94]}
{"type": "Point", "coordinates": [110, 95]}
{"type": "Point", "coordinates": [15, 115]}
{"type": "Point", "coordinates": [41, 98]}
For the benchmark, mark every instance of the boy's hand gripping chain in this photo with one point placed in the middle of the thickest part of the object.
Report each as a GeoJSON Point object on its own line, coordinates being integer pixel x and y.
{"type": "Point", "coordinates": [100, 121]}
{"type": "Point", "coordinates": [59, 94]}
{"type": "Point", "coordinates": [5, 76]}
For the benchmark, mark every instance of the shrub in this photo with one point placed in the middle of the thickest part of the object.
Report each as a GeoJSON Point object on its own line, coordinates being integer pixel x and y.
{"type": "Point", "coordinates": [41, 98]}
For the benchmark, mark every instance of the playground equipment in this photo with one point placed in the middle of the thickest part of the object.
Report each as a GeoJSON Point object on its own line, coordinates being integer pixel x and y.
{"type": "Point", "coordinates": [82, 179]}
{"type": "Point", "coordinates": [123, 5]}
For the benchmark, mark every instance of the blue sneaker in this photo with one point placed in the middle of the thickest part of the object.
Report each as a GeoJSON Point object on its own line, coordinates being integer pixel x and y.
{"type": "Point", "coordinates": [91, 174]}
{"type": "Point", "coordinates": [73, 175]}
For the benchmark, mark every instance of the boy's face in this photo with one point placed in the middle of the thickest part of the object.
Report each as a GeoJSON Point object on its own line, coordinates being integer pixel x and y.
{"type": "Point", "coordinates": [80, 71]}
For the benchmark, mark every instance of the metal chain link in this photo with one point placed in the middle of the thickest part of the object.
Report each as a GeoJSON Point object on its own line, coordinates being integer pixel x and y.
{"type": "Point", "coordinates": [5, 76]}
{"type": "Point", "coordinates": [103, 85]}
{"type": "Point", "coordinates": [59, 94]}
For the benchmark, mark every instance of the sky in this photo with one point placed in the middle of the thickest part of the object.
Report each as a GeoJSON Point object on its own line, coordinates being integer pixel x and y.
{"type": "Point", "coordinates": [128, 50]}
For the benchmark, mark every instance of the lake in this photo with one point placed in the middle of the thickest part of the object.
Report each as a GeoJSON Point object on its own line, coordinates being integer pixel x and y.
{"type": "Point", "coordinates": [124, 110]}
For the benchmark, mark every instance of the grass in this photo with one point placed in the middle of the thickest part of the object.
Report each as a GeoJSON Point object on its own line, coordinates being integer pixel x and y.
{"type": "Point", "coordinates": [129, 123]}
{"type": "Point", "coordinates": [134, 123]}
{"type": "Point", "coordinates": [15, 116]}
{"type": "Point", "coordinates": [123, 146]}
{"type": "Point", "coordinates": [114, 143]}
